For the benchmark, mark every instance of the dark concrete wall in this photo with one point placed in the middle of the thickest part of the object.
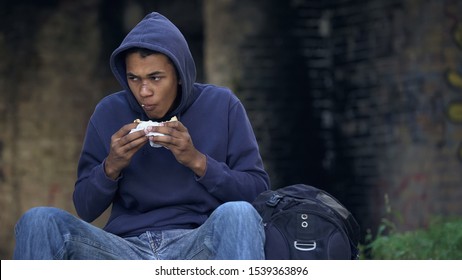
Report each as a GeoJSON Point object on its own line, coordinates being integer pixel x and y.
{"type": "Point", "coordinates": [54, 69]}
{"type": "Point", "coordinates": [49, 82]}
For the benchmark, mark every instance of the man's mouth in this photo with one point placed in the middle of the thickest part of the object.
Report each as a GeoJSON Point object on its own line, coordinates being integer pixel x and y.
{"type": "Point", "coordinates": [147, 107]}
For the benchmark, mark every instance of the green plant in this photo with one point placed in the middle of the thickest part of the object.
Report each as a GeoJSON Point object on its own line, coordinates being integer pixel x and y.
{"type": "Point", "coordinates": [441, 240]}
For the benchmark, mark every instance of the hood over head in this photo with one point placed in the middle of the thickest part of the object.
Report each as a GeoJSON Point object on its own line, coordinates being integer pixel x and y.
{"type": "Point", "coordinates": [157, 33]}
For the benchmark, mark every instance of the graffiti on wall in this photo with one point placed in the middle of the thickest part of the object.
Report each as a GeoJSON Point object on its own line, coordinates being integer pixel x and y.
{"type": "Point", "coordinates": [429, 104]}
{"type": "Point", "coordinates": [454, 76]}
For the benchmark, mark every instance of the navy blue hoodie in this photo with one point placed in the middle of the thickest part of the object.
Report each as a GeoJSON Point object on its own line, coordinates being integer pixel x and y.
{"type": "Point", "coordinates": [155, 192]}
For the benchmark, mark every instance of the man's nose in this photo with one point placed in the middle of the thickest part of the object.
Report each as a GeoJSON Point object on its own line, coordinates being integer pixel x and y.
{"type": "Point", "coordinates": [144, 90]}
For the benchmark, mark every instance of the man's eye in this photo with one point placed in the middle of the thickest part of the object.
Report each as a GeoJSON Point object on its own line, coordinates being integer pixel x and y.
{"type": "Point", "coordinates": [132, 78]}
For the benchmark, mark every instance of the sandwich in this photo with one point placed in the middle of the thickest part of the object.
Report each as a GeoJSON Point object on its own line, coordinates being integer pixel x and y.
{"type": "Point", "coordinates": [142, 125]}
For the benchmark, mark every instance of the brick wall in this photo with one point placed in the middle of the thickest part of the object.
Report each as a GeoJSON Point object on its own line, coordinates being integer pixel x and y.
{"type": "Point", "coordinates": [391, 100]}
{"type": "Point", "coordinates": [361, 98]}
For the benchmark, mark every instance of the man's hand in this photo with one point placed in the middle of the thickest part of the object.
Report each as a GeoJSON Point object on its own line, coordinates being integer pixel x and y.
{"type": "Point", "coordinates": [179, 142]}
{"type": "Point", "coordinates": [123, 146]}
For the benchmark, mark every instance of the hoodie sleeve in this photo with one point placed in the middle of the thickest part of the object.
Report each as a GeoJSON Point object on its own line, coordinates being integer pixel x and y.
{"type": "Point", "coordinates": [94, 191]}
{"type": "Point", "coordinates": [242, 177]}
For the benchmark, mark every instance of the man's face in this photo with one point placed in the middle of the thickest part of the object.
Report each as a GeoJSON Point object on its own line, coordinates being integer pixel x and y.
{"type": "Point", "coordinates": [153, 81]}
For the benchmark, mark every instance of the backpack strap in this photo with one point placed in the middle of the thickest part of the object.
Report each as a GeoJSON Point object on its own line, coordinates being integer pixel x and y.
{"type": "Point", "coordinates": [272, 202]}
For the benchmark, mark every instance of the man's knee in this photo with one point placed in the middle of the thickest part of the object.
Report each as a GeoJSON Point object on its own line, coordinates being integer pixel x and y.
{"type": "Point", "coordinates": [239, 210]}
{"type": "Point", "coordinates": [38, 217]}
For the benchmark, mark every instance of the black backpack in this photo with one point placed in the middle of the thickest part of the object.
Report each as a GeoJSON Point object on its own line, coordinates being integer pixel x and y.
{"type": "Point", "coordinates": [304, 222]}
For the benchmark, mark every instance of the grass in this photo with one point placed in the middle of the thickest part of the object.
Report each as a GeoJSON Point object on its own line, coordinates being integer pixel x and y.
{"type": "Point", "coordinates": [441, 240]}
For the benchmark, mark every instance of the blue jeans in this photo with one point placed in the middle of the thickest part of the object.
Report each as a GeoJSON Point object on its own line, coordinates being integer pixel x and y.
{"type": "Point", "coordinates": [233, 231]}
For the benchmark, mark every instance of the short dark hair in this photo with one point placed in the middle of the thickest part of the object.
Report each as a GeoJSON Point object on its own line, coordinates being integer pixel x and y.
{"type": "Point", "coordinates": [144, 52]}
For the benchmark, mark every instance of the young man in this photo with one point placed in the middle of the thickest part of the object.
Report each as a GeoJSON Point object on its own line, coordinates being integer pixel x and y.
{"type": "Point", "coordinates": [188, 199]}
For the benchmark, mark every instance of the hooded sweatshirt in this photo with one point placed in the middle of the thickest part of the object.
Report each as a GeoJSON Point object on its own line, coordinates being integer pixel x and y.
{"type": "Point", "coordinates": [155, 192]}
